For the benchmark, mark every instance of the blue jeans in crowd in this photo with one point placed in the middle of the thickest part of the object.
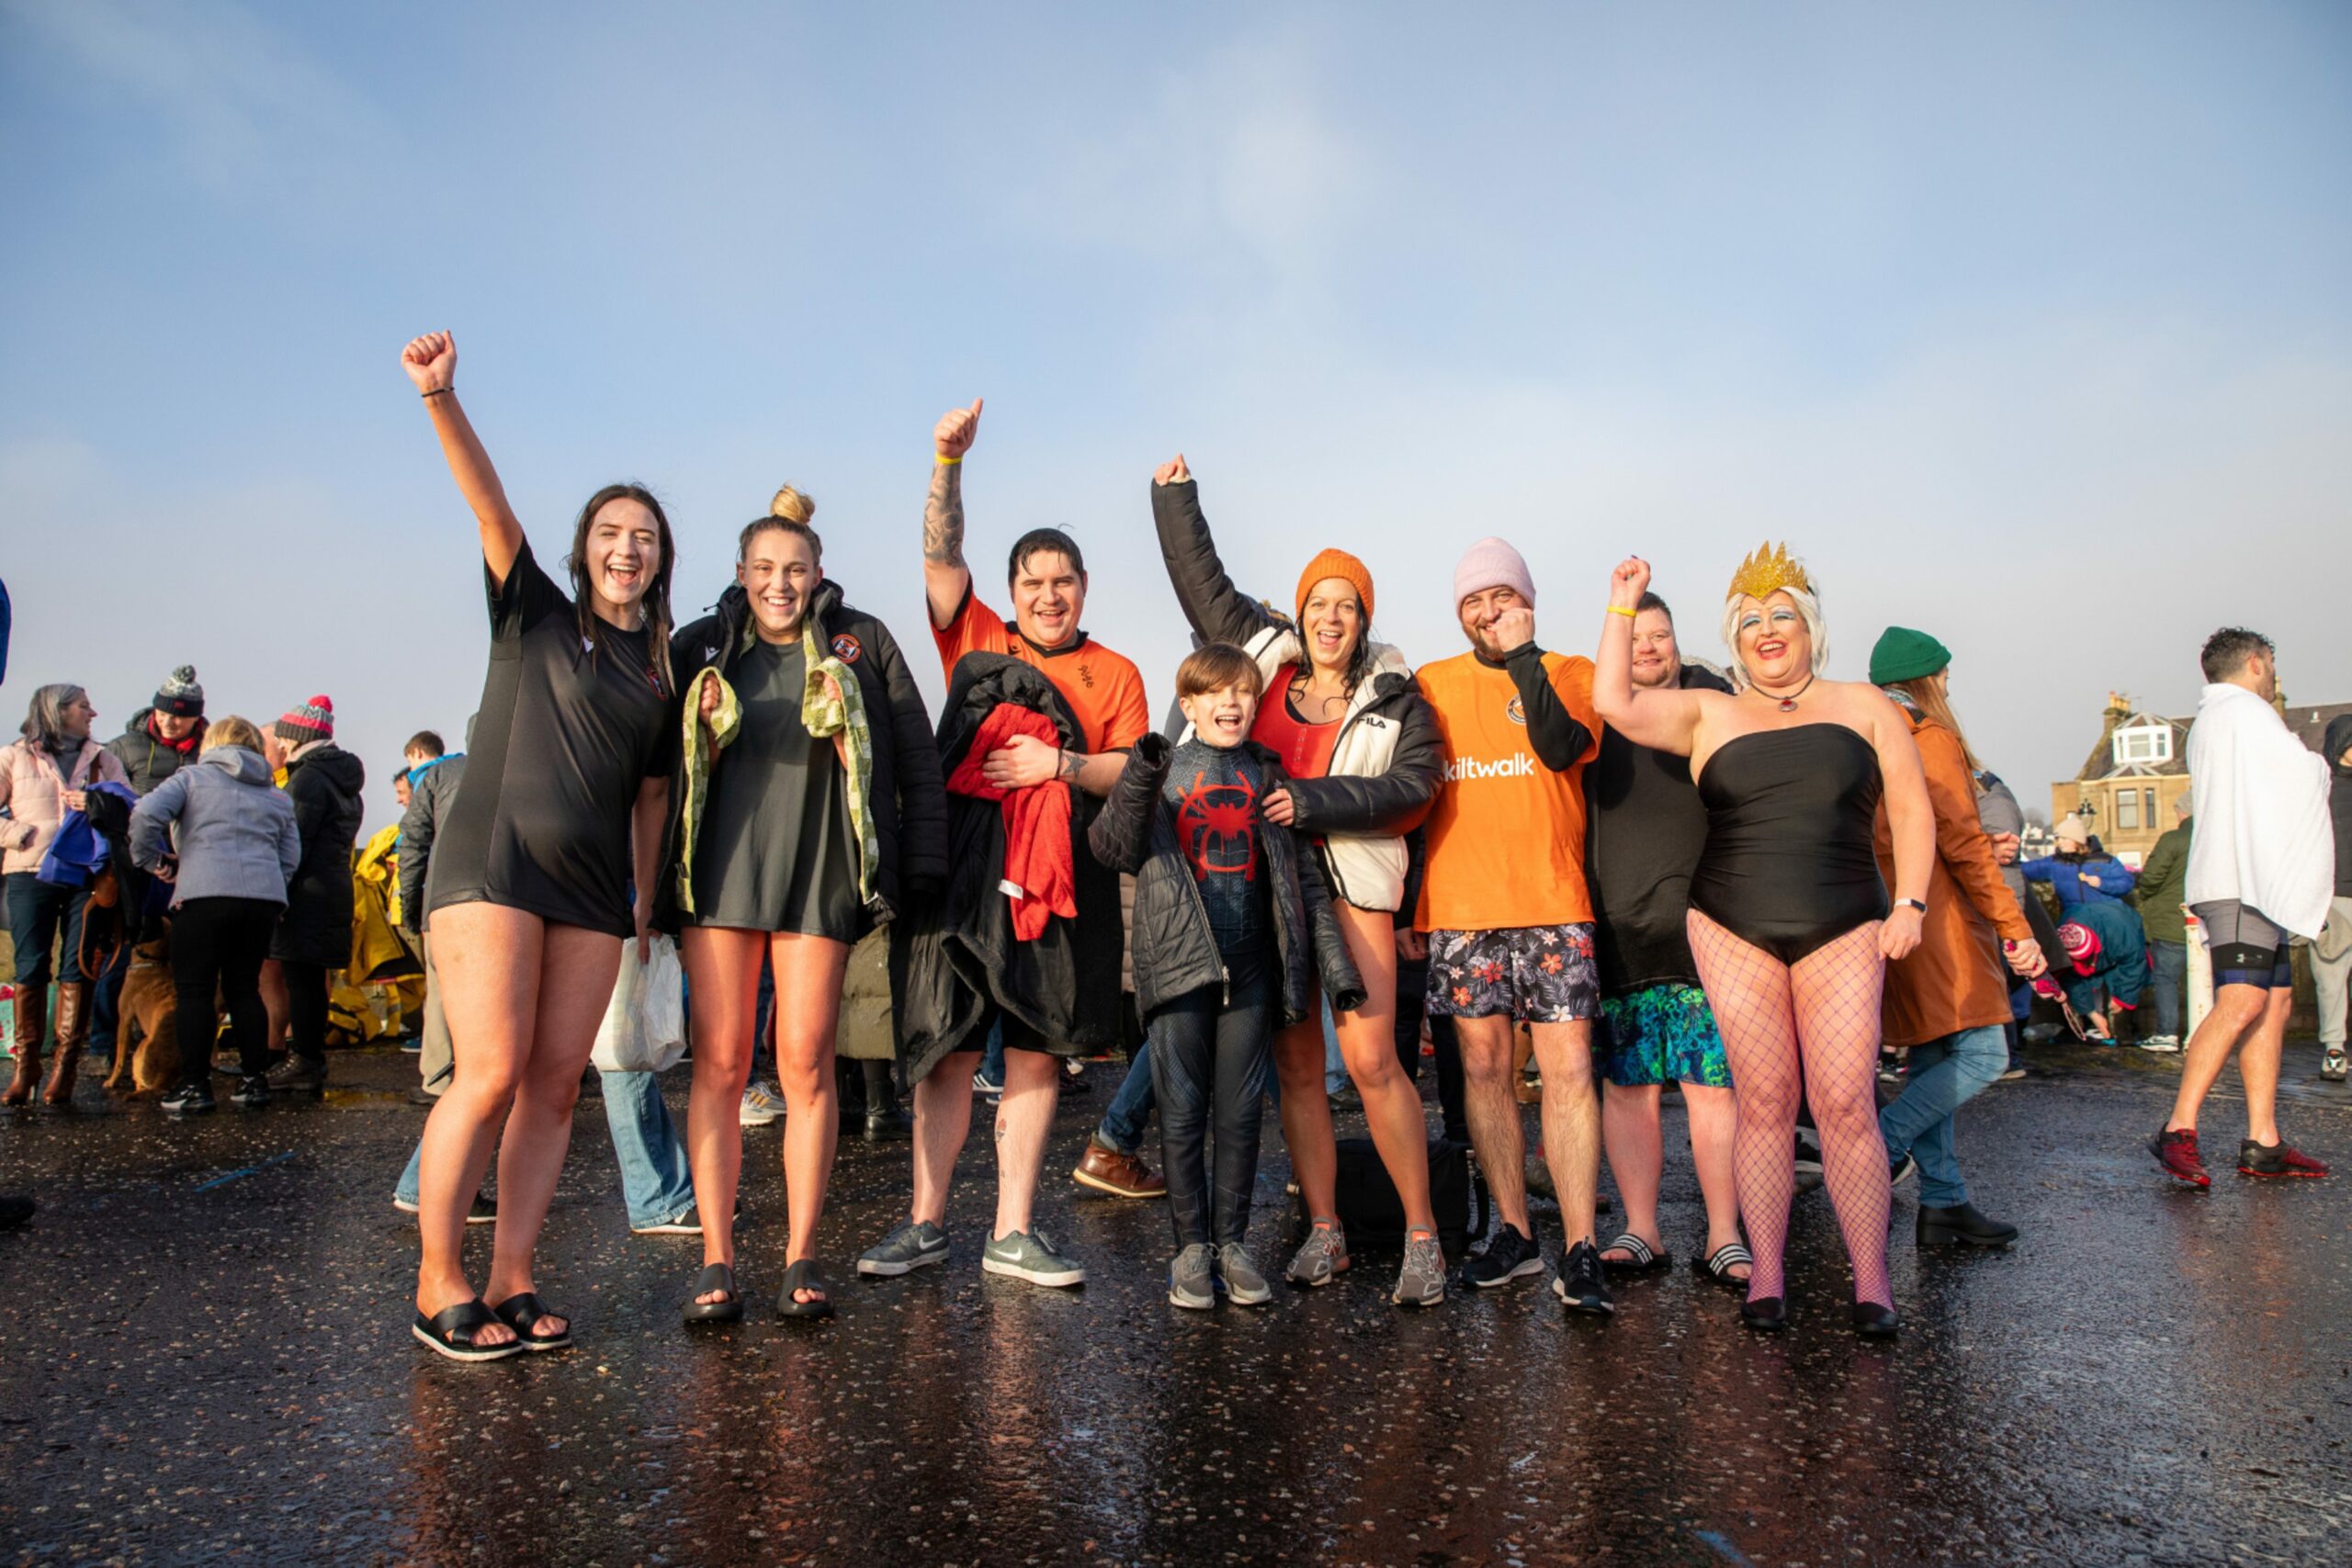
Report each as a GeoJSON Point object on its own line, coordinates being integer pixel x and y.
{"type": "Point", "coordinates": [656, 1182]}
{"type": "Point", "coordinates": [1123, 1124]}
{"type": "Point", "coordinates": [2171, 962]}
{"type": "Point", "coordinates": [1945, 1074]}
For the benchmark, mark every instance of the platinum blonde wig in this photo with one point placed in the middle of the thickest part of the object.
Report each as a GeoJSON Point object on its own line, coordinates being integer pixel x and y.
{"type": "Point", "coordinates": [1808, 610]}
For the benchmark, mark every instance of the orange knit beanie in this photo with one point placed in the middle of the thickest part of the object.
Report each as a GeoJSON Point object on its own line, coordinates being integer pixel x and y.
{"type": "Point", "coordinates": [1343, 566]}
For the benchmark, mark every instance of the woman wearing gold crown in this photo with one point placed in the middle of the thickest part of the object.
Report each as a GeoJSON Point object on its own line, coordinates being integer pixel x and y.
{"type": "Point", "coordinates": [1788, 922]}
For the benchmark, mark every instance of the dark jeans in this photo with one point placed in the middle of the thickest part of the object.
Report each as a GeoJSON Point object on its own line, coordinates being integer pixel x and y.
{"type": "Point", "coordinates": [1209, 1066]}
{"type": "Point", "coordinates": [221, 942]}
{"type": "Point", "coordinates": [1413, 1003]}
{"type": "Point", "coordinates": [36, 911]}
{"type": "Point", "coordinates": [306, 1002]}
{"type": "Point", "coordinates": [105, 1003]}
{"type": "Point", "coordinates": [2171, 961]}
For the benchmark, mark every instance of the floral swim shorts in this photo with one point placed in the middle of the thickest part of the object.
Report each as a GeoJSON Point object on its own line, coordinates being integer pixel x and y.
{"type": "Point", "coordinates": [1660, 1033]}
{"type": "Point", "coordinates": [1532, 974]}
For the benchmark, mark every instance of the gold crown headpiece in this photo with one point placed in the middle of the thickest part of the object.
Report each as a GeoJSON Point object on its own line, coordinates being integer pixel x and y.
{"type": "Point", "coordinates": [1767, 571]}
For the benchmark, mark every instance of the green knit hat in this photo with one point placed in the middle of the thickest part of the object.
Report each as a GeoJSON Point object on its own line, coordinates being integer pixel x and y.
{"type": "Point", "coordinates": [1903, 654]}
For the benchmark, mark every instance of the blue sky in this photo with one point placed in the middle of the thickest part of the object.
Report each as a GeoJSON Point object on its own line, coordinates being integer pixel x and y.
{"type": "Point", "coordinates": [2027, 326]}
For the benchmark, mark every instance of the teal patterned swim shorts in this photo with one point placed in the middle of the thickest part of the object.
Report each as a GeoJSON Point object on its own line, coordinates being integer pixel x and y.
{"type": "Point", "coordinates": [1660, 1033]}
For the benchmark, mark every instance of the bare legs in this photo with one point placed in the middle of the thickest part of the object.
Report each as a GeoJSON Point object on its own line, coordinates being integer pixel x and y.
{"type": "Point", "coordinates": [1571, 1118]}
{"type": "Point", "coordinates": [1712, 1116]}
{"type": "Point", "coordinates": [723, 967]}
{"type": "Point", "coordinates": [523, 998]}
{"type": "Point", "coordinates": [2258, 1015]}
{"type": "Point", "coordinates": [1024, 1120]}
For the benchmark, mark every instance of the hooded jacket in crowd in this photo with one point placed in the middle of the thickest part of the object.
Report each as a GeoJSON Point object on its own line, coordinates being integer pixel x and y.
{"type": "Point", "coordinates": [953, 959]}
{"type": "Point", "coordinates": [909, 798]}
{"type": "Point", "coordinates": [1175, 949]}
{"type": "Point", "coordinates": [2163, 879]}
{"type": "Point", "coordinates": [1386, 763]}
{"type": "Point", "coordinates": [432, 790]}
{"type": "Point", "coordinates": [147, 758]}
{"type": "Point", "coordinates": [324, 783]}
{"type": "Point", "coordinates": [233, 829]}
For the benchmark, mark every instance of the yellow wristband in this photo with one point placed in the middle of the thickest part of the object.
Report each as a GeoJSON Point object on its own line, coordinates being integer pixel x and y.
{"type": "Point", "coordinates": [943, 461]}
{"type": "Point", "coordinates": [1621, 610]}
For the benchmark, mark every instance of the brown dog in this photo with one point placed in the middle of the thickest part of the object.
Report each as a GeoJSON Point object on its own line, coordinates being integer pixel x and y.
{"type": "Point", "coordinates": [150, 1008]}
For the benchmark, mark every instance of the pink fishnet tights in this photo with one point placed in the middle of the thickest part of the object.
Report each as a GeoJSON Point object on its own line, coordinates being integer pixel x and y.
{"type": "Point", "coordinates": [1808, 1029]}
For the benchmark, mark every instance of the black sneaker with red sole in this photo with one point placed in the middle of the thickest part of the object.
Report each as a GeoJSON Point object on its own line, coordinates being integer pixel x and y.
{"type": "Point", "coordinates": [2175, 1150]}
{"type": "Point", "coordinates": [2278, 1160]}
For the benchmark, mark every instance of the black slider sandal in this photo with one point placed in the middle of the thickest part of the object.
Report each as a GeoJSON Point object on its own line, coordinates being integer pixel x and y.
{"type": "Point", "coordinates": [803, 1276]}
{"type": "Point", "coordinates": [1642, 1260]}
{"type": "Point", "coordinates": [450, 1332]}
{"type": "Point", "coordinates": [714, 1277]}
{"type": "Point", "coordinates": [1717, 1265]}
{"type": "Point", "coordinates": [519, 1312]}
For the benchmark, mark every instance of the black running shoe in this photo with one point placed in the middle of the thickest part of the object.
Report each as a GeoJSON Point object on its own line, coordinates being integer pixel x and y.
{"type": "Point", "coordinates": [1579, 1282]}
{"type": "Point", "coordinates": [190, 1099]}
{"type": "Point", "coordinates": [250, 1092]}
{"type": "Point", "coordinates": [1510, 1255]}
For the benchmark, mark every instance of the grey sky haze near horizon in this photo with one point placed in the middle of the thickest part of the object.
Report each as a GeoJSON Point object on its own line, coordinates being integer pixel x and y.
{"type": "Point", "coordinates": [2028, 326]}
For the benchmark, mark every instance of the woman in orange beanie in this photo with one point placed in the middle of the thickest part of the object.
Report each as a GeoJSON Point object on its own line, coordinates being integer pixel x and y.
{"type": "Point", "coordinates": [1361, 748]}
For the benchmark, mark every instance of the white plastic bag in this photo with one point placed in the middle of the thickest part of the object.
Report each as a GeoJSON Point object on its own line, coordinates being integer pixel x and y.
{"type": "Point", "coordinates": [645, 1023]}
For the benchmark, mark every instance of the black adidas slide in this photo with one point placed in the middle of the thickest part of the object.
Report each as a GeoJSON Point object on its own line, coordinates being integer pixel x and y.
{"type": "Point", "coordinates": [1641, 1259]}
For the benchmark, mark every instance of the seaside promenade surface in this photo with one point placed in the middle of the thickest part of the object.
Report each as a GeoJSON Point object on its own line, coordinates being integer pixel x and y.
{"type": "Point", "coordinates": [205, 1357]}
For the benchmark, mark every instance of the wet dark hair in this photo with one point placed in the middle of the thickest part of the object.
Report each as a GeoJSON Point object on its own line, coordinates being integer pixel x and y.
{"type": "Point", "coordinates": [1215, 664]}
{"type": "Point", "coordinates": [1038, 541]}
{"type": "Point", "coordinates": [426, 741]}
{"type": "Point", "coordinates": [1650, 600]}
{"type": "Point", "coordinates": [401, 777]}
{"type": "Point", "coordinates": [2226, 651]}
{"type": "Point", "coordinates": [657, 591]}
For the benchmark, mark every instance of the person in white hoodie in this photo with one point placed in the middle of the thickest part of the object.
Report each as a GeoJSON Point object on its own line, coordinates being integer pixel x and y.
{"type": "Point", "coordinates": [2261, 872]}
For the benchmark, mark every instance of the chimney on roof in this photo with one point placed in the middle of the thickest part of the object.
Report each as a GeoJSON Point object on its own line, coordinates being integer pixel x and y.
{"type": "Point", "coordinates": [2118, 708]}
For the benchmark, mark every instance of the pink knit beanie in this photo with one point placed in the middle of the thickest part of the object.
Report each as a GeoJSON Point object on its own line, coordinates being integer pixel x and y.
{"type": "Point", "coordinates": [1491, 563]}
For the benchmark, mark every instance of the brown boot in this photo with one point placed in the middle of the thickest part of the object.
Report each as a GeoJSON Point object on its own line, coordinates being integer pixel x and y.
{"type": "Point", "coordinates": [72, 1028]}
{"type": "Point", "coordinates": [29, 1031]}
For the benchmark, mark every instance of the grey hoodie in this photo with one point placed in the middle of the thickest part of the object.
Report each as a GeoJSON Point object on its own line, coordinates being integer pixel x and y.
{"type": "Point", "coordinates": [233, 829]}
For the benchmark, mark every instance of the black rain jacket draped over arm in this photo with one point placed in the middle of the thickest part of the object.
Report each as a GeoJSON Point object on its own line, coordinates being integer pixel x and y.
{"type": "Point", "coordinates": [951, 961]}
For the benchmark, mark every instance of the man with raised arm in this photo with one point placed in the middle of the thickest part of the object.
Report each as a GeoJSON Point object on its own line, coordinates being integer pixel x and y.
{"type": "Point", "coordinates": [1046, 577]}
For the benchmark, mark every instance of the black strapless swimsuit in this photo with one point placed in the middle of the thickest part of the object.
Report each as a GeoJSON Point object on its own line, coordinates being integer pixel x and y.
{"type": "Point", "coordinates": [1790, 863]}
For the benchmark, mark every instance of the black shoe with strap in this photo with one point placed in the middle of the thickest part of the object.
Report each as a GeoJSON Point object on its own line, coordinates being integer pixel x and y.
{"type": "Point", "coordinates": [450, 1332]}
{"type": "Point", "coordinates": [522, 1313]}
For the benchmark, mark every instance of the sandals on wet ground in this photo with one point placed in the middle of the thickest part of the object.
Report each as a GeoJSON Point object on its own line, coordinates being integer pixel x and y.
{"type": "Point", "coordinates": [520, 1313]}
{"type": "Point", "coordinates": [1718, 1264]}
{"type": "Point", "coordinates": [803, 1276]}
{"type": "Point", "coordinates": [714, 1277]}
{"type": "Point", "coordinates": [1643, 1259]}
{"type": "Point", "coordinates": [450, 1332]}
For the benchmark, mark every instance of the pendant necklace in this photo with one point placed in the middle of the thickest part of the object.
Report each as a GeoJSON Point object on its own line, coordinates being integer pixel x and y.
{"type": "Point", "coordinates": [1788, 703]}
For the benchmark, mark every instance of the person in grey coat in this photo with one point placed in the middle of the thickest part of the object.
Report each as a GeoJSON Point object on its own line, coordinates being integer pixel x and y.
{"type": "Point", "coordinates": [223, 834]}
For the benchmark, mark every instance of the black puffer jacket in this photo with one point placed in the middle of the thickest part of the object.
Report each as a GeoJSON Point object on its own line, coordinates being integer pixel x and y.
{"type": "Point", "coordinates": [910, 796]}
{"type": "Point", "coordinates": [148, 760]}
{"type": "Point", "coordinates": [1175, 951]}
{"type": "Point", "coordinates": [951, 960]}
{"type": "Point", "coordinates": [326, 787]}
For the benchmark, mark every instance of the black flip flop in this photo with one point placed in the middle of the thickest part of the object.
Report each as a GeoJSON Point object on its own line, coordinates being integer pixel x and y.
{"type": "Point", "coordinates": [1642, 1261]}
{"type": "Point", "coordinates": [450, 1332]}
{"type": "Point", "coordinates": [803, 1276]}
{"type": "Point", "coordinates": [1717, 1264]}
{"type": "Point", "coordinates": [519, 1312]}
{"type": "Point", "coordinates": [714, 1277]}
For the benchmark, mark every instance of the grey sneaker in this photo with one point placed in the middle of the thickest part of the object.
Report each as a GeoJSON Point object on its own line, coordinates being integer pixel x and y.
{"type": "Point", "coordinates": [2163, 1045]}
{"type": "Point", "coordinates": [1027, 1255]}
{"type": "Point", "coordinates": [2332, 1066]}
{"type": "Point", "coordinates": [914, 1245]}
{"type": "Point", "coordinates": [1324, 1256]}
{"type": "Point", "coordinates": [1422, 1282]}
{"type": "Point", "coordinates": [1191, 1279]}
{"type": "Point", "coordinates": [1244, 1286]}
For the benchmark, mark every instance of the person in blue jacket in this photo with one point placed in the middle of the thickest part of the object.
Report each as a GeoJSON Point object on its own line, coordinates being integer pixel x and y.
{"type": "Point", "coordinates": [2106, 967]}
{"type": "Point", "coordinates": [2081, 872]}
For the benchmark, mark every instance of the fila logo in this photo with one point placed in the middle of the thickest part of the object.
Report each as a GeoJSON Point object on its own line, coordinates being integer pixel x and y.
{"type": "Point", "coordinates": [1517, 767]}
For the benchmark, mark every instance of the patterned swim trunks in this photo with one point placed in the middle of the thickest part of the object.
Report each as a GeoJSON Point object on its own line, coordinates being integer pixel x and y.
{"type": "Point", "coordinates": [1660, 1033]}
{"type": "Point", "coordinates": [1532, 974]}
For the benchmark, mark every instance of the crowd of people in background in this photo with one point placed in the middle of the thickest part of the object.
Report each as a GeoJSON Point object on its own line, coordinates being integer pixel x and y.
{"type": "Point", "coordinates": [1796, 903]}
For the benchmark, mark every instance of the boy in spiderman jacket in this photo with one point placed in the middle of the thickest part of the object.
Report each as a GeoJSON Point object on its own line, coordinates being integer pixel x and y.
{"type": "Point", "coordinates": [1232, 929]}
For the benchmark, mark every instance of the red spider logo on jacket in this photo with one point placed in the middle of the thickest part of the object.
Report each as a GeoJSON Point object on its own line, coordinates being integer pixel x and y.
{"type": "Point", "coordinates": [1218, 825]}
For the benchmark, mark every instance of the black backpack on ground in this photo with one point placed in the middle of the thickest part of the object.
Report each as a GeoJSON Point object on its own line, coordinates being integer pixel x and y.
{"type": "Point", "coordinates": [1372, 1215]}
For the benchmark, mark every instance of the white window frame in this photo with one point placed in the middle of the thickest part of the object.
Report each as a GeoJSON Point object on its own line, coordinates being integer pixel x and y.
{"type": "Point", "coordinates": [2143, 744]}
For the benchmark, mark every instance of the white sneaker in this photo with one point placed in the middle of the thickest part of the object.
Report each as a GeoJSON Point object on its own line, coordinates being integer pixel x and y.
{"type": "Point", "coordinates": [760, 1105]}
{"type": "Point", "coordinates": [2163, 1044]}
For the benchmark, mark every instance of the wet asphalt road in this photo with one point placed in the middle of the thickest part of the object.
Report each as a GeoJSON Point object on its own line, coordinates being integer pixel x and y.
{"type": "Point", "coordinates": [204, 1357]}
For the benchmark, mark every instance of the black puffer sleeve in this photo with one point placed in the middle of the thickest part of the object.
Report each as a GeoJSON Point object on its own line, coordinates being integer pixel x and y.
{"type": "Point", "coordinates": [1395, 801]}
{"type": "Point", "coordinates": [1343, 983]}
{"type": "Point", "coordinates": [1120, 836]}
{"type": "Point", "coordinates": [923, 785]}
{"type": "Point", "coordinates": [1216, 609]}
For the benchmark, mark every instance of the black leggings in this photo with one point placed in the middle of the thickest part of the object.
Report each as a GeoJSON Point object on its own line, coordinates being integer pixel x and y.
{"type": "Point", "coordinates": [1412, 1008]}
{"type": "Point", "coordinates": [306, 1005]}
{"type": "Point", "coordinates": [1209, 1066]}
{"type": "Point", "coordinates": [221, 942]}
